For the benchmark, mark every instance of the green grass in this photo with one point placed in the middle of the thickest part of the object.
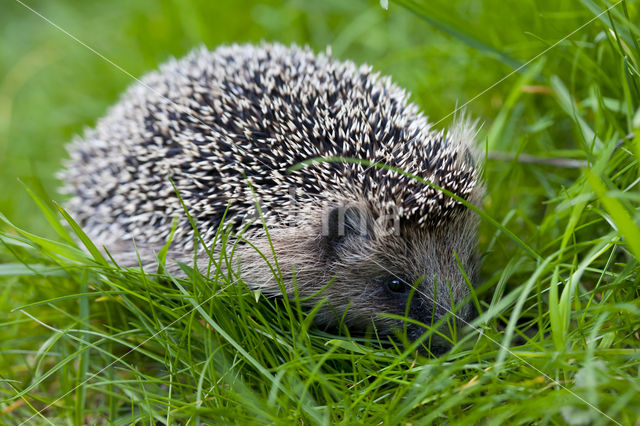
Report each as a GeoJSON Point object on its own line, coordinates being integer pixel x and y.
{"type": "Point", "coordinates": [558, 338]}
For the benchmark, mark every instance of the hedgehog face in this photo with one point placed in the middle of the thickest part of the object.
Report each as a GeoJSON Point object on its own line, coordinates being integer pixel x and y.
{"type": "Point", "coordinates": [412, 272]}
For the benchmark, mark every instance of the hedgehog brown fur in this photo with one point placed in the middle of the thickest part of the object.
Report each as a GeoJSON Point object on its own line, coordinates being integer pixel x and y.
{"type": "Point", "coordinates": [215, 121]}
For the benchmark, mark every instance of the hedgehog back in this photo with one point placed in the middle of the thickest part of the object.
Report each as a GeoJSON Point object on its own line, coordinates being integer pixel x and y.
{"type": "Point", "coordinates": [214, 121]}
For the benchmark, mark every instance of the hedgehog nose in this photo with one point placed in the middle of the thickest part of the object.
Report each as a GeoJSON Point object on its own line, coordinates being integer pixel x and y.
{"type": "Point", "coordinates": [440, 328]}
{"type": "Point", "coordinates": [434, 342]}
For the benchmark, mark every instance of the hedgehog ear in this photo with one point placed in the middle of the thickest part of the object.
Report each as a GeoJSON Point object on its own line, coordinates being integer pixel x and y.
{"type": "Point", "coordinates": [343, 223]}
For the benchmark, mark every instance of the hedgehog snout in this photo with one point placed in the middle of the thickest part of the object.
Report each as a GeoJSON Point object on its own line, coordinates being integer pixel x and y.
{"type": "Point", "coordinates": [440, 319]}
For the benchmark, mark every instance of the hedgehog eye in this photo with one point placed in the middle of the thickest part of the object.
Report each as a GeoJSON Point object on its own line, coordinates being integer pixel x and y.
{"type": "Point", "coordinates": [397, 285]}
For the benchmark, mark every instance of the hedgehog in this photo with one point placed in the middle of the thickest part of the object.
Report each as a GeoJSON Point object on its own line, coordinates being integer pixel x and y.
{"type": "Point", "coordinates": [224, 130]}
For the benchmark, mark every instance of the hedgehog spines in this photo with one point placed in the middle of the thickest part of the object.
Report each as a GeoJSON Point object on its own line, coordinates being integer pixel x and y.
{"type": "Point", "coordinates": [256, 111]}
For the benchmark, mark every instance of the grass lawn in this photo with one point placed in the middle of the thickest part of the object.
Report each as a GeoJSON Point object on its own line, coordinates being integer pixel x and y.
{"type": "Point", "coordinates": [556, 85]}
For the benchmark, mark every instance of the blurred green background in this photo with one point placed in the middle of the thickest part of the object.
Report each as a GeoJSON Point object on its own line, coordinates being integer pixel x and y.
{"type": "Point", "coordinates": [444, 52]}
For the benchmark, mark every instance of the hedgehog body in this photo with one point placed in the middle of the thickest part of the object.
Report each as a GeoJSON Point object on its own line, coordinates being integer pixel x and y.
{"type": "Point", "coordinates": [227, 126]}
